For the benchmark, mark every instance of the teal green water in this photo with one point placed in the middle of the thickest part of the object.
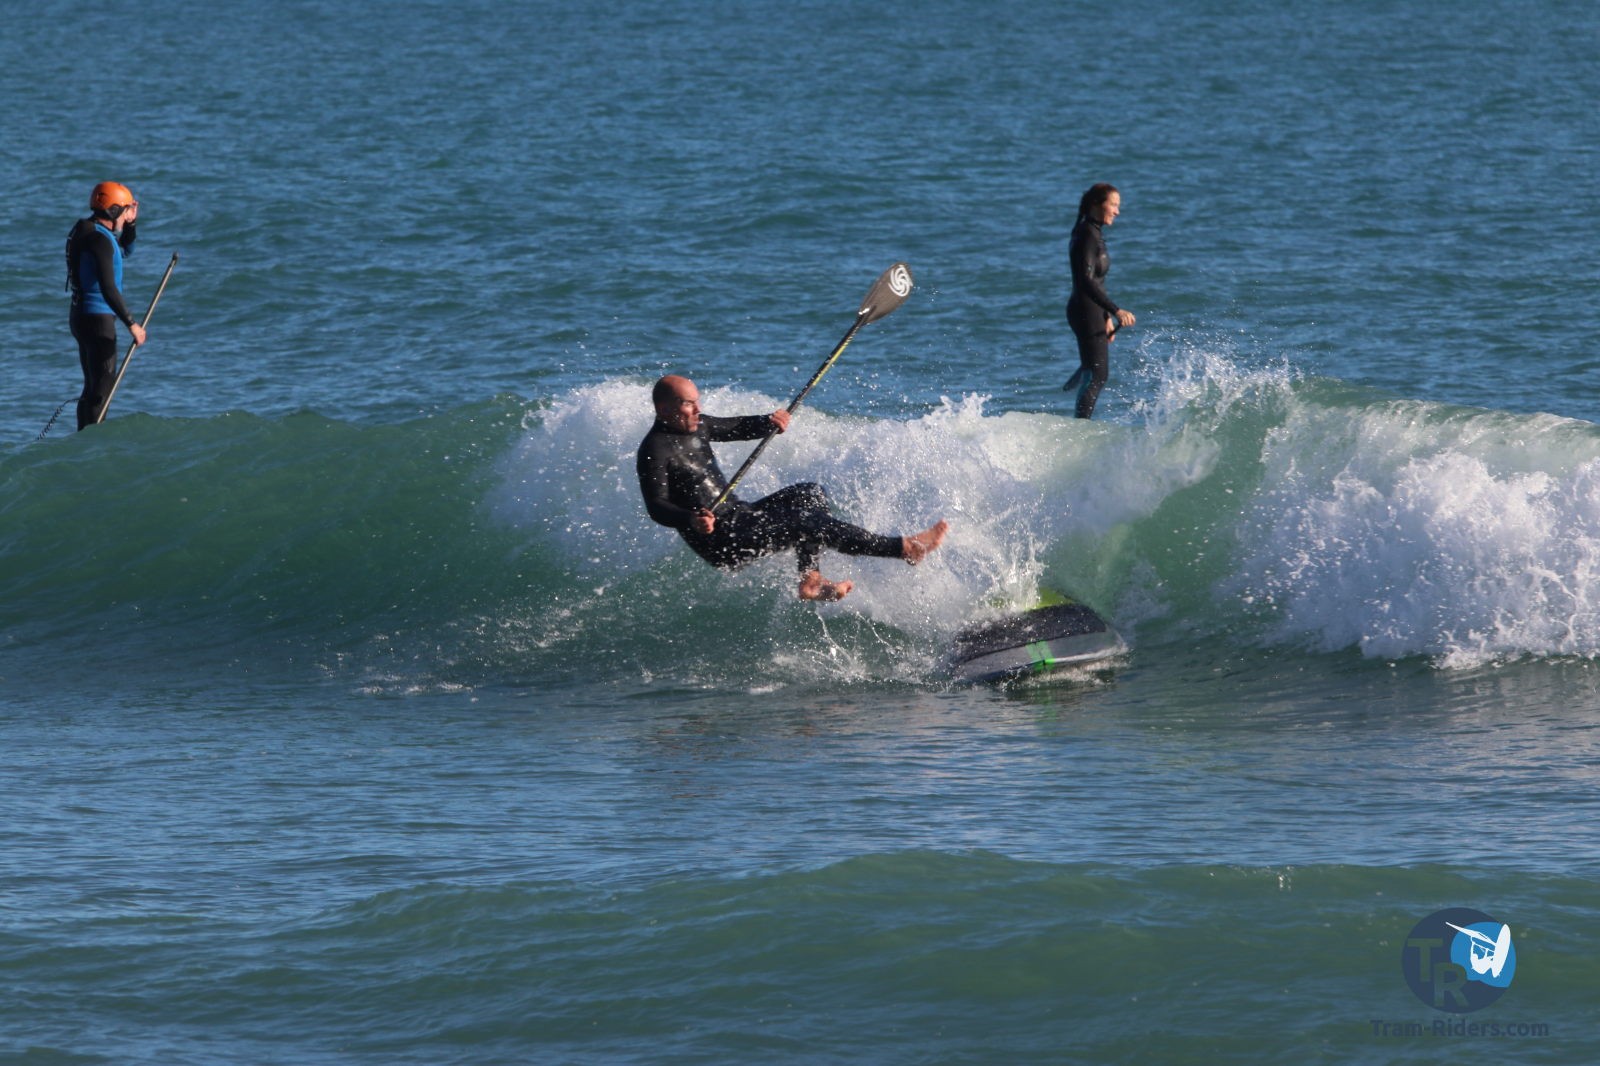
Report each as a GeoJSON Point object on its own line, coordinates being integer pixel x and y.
{"type": "Point", "coordinates": [352, 712]}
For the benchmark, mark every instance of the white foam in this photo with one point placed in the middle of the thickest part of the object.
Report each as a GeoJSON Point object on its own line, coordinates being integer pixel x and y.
{"type": "Point", "coordinates": [1010, 485]}
{"type": "Point", "coordinates": [1410, 529]}
{"type": "Point", "coordinates": [1317, 514]}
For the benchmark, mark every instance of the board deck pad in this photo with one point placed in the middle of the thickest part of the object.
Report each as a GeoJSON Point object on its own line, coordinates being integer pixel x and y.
{"type": "Point", "coordinates": [1036, 641]}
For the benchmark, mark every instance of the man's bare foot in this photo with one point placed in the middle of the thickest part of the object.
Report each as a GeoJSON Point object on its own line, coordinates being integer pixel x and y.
{"type": "Point", "coordinates": [918, 546]}
{"type": "Point", "coordinates": [813, 586]}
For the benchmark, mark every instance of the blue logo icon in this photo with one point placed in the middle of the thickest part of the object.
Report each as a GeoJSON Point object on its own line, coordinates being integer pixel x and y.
{"type": "Point", "coordinates": [1459, 960]}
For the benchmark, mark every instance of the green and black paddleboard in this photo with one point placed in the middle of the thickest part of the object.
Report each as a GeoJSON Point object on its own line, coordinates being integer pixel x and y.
{"type": "Point", "coordinates": [1058, 634]}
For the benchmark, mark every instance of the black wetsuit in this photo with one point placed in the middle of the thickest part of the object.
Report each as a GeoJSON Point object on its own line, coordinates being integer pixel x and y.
{"type": "Point", "coordinates": [679, 477]}
{"type": "Point", "coordinates": [1087, 311]}
{"type": "Point", "coordinates": [94, 274]}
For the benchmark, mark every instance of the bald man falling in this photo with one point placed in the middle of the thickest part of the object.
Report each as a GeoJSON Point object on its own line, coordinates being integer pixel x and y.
{"type": "Point", "coordinates": [680, 479]}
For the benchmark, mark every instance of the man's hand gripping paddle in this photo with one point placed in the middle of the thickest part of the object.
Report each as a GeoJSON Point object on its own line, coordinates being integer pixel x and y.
{"type": "Point", "coordinates": [886, 294]}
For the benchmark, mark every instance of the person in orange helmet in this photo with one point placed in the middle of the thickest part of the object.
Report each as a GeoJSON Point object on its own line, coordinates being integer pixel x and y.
{"type": "Point", "coordinates": [96, 248]}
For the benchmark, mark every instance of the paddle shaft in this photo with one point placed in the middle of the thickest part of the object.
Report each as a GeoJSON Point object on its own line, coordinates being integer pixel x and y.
{"type": "Point", "coordinates": [886, 294]}
{"type": "Point", "coordinates": [144, 323]}
{"type": "Point", "coordinates": [861, 320]}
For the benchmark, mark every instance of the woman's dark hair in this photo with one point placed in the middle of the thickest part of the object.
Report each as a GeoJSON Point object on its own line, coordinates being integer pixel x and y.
{"type": "Point", "coordinates": [1097, 195]}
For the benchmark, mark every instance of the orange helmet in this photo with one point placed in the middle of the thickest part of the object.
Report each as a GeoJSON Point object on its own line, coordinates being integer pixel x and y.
{"type": "Point", "coordinates": [109, 199]}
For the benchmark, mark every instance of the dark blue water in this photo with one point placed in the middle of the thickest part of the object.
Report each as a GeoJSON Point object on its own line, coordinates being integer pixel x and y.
{"type": "Point", "coordinates": [351, 710]}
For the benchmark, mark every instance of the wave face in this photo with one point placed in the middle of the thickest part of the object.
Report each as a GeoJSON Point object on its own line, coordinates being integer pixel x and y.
{"type": "Point", "coordinates": [506, 541]}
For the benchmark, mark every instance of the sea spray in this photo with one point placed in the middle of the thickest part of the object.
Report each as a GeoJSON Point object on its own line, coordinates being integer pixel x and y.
{"type": "Point", "coordinates": [1415, 529]}
{"type": "Point", "coordinates": [991, 476]}
{"type": "Point", "coordinates": [1246, 502]}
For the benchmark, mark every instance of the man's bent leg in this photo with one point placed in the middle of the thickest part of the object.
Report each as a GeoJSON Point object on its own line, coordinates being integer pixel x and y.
{"type": "Point", "coordinates": [799, 516]}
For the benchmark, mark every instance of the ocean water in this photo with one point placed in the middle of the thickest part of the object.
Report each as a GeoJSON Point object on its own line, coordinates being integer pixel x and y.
{"type": "Point", "coordinates": [351, 710]}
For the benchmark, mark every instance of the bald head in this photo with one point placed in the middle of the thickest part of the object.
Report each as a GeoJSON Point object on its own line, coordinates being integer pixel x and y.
{"type": "Point", "coordinates": [677, 403]}
{"type": "Point", "coordinates": [673, 387]}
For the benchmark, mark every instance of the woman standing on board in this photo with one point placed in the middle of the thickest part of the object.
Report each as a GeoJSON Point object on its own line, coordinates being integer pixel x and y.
{"type": "Point", "coordinates": [1093, 316]}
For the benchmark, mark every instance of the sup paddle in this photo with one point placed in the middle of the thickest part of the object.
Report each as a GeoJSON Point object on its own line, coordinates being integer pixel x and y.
{"type": "Point", "coordinates": [886, 294]}
{"type": "Point", "coordinates": [144, 323]}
